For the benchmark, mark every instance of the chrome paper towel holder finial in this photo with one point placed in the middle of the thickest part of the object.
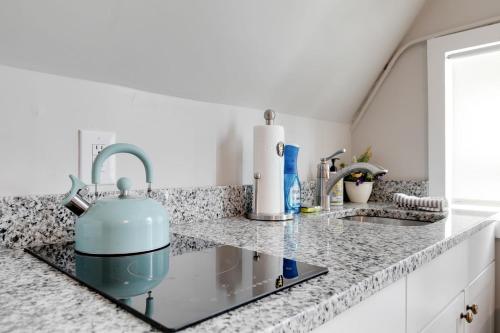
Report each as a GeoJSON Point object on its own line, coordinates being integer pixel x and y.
{"type": "Point", "coordinates": [269, 116]}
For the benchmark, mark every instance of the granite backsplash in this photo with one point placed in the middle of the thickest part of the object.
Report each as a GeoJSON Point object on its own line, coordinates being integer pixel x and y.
{"type": "Point", "coordinates": [36, 220]}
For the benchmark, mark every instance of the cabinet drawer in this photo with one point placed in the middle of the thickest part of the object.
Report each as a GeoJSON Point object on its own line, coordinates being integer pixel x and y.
{"type": "Point", "coordinates": [432, 286]}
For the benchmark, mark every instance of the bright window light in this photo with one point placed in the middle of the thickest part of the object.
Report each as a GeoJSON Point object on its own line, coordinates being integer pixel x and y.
{"type": "Point", "coordinates": [476, 127]}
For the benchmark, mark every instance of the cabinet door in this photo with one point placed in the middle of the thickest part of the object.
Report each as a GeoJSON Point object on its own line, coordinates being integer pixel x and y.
{"type": "Point", "coordinates": [480, 252]}
{"type": "Point", "coordinates": [449, 321]}
{"type": "Point", "coordinates": [482, 293]}
{"type": "Point", "coordinates": [383, 312]}
{"type": "Point", "coordinates": [434, 285]}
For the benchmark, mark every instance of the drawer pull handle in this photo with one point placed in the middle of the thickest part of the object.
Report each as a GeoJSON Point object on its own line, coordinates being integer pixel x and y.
{"type": "Point", "coordinates": [474, 308]}
{"type": "Point", "coordinates": [467, 316]}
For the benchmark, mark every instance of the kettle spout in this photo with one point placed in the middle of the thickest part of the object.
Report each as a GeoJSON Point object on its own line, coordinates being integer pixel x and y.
{"type": "Point", "coordinates": [74, 200]}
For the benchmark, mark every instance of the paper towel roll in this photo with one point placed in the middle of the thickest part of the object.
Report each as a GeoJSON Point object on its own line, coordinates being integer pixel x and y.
{"type": "Point", "coordinates": [270, 165]}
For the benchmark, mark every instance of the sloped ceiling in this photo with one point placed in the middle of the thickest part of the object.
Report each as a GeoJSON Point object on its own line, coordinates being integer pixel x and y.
{"type": "Point", "coordinates": [315, 58]}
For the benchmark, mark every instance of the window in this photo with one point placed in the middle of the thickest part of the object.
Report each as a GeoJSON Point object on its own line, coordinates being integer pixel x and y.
{"type": "Point", "coordinates": [464, 114]}
{"type": "Point", "coordinates": [475, 133]}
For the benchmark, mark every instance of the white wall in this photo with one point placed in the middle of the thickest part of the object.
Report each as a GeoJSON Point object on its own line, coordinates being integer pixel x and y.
{"type": "Point", "coordinates": [396, 123]}
{"type": "Point", "coordinates": [311, 58]}
{"type": "Point", "coordinates": [191, 143]}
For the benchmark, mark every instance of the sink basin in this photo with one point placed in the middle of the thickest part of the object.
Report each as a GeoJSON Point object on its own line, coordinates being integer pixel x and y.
{"type": "Point", "coordinates": [385, 220]}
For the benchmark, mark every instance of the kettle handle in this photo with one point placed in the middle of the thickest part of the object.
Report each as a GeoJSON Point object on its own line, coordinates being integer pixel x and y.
{"type": "Point", "coordinates": [118, 148]}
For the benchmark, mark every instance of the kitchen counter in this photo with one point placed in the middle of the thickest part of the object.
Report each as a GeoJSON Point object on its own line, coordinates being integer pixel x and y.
{"type": "Point", "coordinates": [362, 258]}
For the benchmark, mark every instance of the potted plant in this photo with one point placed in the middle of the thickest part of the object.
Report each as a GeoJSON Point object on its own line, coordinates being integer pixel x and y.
{"type": "Point", "coordinates": [359, 185]}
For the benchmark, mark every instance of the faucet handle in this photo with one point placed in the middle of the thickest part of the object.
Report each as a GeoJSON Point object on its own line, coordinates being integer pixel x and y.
{"type": "Point", "coordinates": [338, 152]}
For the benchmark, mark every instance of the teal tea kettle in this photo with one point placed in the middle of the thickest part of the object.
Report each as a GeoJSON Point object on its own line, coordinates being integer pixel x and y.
{"type": "Point", "coordinates": [122, 225]}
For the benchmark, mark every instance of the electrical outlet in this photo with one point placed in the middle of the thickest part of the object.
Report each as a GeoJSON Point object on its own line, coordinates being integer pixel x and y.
{"type": "Point", "coordinates": [91, 143]}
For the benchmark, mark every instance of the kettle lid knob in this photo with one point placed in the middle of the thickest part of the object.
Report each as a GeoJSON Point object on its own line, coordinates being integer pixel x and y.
{"type": "Point", "coordinates": [124, 184]}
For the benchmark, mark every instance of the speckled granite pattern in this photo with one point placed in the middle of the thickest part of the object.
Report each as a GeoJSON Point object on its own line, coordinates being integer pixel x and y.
{"type": "Point", "coordinates": [36, 220]}
{"type": "Point", "coordinates": [362, 258]}
{"type": "Point", "coordinates": [307, 191]}
{"type": "Point", "coordinates": [193, 204]}
{"type": "Point", "coordinates": [384, 189]}
{"type": "Point", "coordinates": [37, 298]}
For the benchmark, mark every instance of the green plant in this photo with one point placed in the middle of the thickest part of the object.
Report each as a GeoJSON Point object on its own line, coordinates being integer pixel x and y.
{"type": "Point", "coordinates": [361, 177]}
{"type": "Point", "coordinates": [365, 157]}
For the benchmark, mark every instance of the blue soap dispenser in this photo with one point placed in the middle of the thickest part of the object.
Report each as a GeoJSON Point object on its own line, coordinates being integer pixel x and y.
{"type": "Point", "coordinates": [292, 183]}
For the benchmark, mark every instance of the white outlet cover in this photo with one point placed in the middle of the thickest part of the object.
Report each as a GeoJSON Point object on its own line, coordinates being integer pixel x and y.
{"type": "Point", "coordinates": [90, 143]}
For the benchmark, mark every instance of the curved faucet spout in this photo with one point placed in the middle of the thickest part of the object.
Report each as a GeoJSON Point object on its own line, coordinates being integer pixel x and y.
{"type": "Point", "coordinates": [325, 183]}
{"type": "Point", "coordinates": [375, 170]}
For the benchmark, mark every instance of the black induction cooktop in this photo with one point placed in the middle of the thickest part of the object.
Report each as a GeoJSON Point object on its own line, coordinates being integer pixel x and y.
{"type": "Point", "coordinates": [183, 284]}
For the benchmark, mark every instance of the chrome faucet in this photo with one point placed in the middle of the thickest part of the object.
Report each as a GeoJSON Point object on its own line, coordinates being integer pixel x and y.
{"type": "Point", "coordinates": [324, 183]}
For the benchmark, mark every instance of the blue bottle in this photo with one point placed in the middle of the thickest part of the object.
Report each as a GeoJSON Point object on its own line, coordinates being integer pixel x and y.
{"type": "Point", "coordinates": [292, 183]}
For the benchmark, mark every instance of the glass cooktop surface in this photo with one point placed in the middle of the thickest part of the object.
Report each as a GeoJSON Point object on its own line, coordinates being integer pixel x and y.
{"type": "Point", "coordinates": [182, 284]}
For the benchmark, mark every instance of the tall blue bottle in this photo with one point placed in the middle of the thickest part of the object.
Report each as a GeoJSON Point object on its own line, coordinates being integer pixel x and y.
{"type": "Point", "coordinates": [292, 183]}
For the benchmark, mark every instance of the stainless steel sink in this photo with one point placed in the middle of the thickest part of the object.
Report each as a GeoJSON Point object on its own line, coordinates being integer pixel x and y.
{"type": "Point", "coordinates": [385, 220]}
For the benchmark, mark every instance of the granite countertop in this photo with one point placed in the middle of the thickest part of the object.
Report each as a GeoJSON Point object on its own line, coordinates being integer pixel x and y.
{"type": "Point", "coordinates": [362, 258]}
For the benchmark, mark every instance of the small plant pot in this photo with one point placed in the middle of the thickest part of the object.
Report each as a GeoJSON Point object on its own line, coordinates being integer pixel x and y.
{"type": "Point", "coordinates": [359, 193]}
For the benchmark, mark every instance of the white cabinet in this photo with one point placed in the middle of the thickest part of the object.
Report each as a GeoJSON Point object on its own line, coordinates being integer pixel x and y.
{"type": "Point", "coordinates": [481, 292]}
{"type": "Point", "coordinates": [431, 287]}
{"type": "Point", "coordinates": [449, 319]}
{"type": "Point", "coordinates": [383, 312]}
{"type": "Point", "coordinates": [480, 251]}
{"type": "Point", "coordinates": [432, 290]}
{"type": "Point", "coordinates": [433, 297]}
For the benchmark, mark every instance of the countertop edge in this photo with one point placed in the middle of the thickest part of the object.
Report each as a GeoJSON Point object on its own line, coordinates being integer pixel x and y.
{"type": "Point", "coordinates": [309, 318]}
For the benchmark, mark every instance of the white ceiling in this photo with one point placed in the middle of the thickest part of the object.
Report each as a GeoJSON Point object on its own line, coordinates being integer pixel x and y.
{"type": "Point", "coordinates": [315, 58]}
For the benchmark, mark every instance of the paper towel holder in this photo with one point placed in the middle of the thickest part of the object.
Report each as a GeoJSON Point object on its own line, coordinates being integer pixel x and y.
{"type": "Point", "coordinates": [269, 116]}
{"type": "Point", "coordinates": [254, 215]}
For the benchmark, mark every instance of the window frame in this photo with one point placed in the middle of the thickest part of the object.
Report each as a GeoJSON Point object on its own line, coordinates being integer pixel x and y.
{"type": "Point", "coordinates": [440, 102]}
